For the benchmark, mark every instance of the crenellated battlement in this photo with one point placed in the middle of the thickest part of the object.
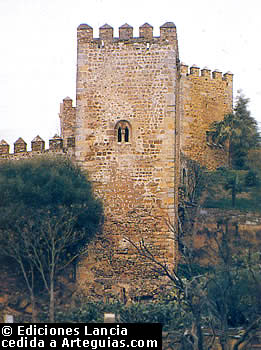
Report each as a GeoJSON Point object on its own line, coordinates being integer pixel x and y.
{"type": "Point", "coordinates": [195, 71]}
{"type": "Point", "coordinates": [56, 145]}
{"type": "Point", "coordinates": [106, 33]}
{"type": "Point", "coordinates": [126, 139]}
{"type": "Point", "coordinates": [206, 97]}
{"type": "Point", "coordinates": [137, 109]}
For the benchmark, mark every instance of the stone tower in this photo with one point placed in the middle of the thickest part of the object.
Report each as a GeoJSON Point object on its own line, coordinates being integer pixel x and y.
{"type": "Point", "coordinates": [137, 109]}
{"type": "Point", "coordinates": [126, 117]}
{"type": "Point", "coordinates": [205, 97]}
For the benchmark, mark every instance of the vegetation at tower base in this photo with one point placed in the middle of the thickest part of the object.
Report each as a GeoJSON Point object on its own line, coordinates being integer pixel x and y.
{"type": "Point", "coordinates": [134, 87]}
{"type": "Point", "coordinates": [237, 132]}
{"type": "Point", "coordinates": [48, 216]}
{"type": "Point", "coordinates": [211, 298]}
{"type": "Point", "coordinates": [201, 302]}
{"type": "Point", "coordinates": [230, 188]}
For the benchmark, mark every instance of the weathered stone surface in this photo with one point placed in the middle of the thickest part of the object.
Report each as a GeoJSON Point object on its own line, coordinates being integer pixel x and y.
{"type": "Point", "coordinates": [67, 121]}
{"type": "Point", "coordinates": [4, 148]}
{"type": "Point", "coordinates": [136, 109]}
{"type": "Point", "coordinates": [38, 144]}
{"type": "Point", "coordinates": [243, 227]}
{"type": "Point", "coordinates": [205, 98]}
{"type": "Point", "coordinates": [129, 85]}
{"type": "Point", "coordinates": [20, 146]}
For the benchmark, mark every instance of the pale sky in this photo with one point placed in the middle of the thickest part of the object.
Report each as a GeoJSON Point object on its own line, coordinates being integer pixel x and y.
{"type": "Point", "coordinates": [38, 50]}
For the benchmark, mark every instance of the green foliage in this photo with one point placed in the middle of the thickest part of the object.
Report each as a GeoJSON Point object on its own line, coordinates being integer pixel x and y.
{"type": "Point", "coordinates": [224, 186]}
{"type": "Point", "coordinates": [227, 293]}
{"type": "Point", "coordinates": [44, 191]}
{"type": "Point", "coordinates": [43, 183]}
{"type": "Point", "coordinates": [242, 204]}
{"type": "Point", "coordinates": [230, 182]}
{"type": "Point", "coordinates": [165, 313]}
{"type": "Point", "coordinates": [251, 179]}
{"type": "Point", "coordinates": [191, 270]}
{"type": "Point", "coordinates": [49, 214]}
{"type": "Point", "coordinates": [195, 181]}
{"type": "Point", "coordinates": [88, 312]}
{"type": "Point", "coordinates": [238, 132]}
{"type": "Point", "coordinates": [151, 313]}
{"type": "Point", "coordinates": [234, 290]}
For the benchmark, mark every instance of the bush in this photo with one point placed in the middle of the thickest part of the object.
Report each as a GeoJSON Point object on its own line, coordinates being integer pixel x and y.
{"type": "Point", "coordinates": [251, 179]}
{"type": "Point", "coordinates": [164, 313]}
{"type": "Point", "coordinates": [243, 204]}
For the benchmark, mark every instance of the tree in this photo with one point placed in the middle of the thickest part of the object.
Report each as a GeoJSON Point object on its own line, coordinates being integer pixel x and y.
{"type": "Point", "coordinates": [194, 179]}
{"type": "Point", "coordinates": [238, 132]}
{"type": "Point", "coordinates": [49, 214]}
{"type": "Point", "coordinates": [221, 295]}
{"type": "Point", "coordinates": [225, 183]}
{"type": "Point", "coordinates": [233, 182]}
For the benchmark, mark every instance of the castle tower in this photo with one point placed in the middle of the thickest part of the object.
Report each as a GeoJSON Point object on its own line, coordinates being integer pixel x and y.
{"type": "Point", "coordinates": [67, 121]}
{"type": "Point", "coordinates": [126, 116]}
{"type": "Point", "coordinates": [204, 98]}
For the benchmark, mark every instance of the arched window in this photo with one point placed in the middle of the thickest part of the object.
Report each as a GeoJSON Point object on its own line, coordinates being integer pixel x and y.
{"type": "Point", "coordinates": [184, 174]}
{"type": "Point", "coordinates": [123, 131]}
{"type": "Point", "coordinates": [126, 135]}
{"type": "Point", "coordinates": [119, 134]}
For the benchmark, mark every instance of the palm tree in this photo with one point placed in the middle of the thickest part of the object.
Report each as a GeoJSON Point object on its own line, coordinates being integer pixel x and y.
{"type": "Point", "coordinates": [237, 132]}
{"type": "Point", "coordinates": [227, 132]}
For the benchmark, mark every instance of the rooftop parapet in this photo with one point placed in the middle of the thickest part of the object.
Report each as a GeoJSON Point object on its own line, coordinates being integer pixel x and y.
{"type": "Point", "coordinates": [4, 147]}
{"type": "Point", "coordinates": [84, 31]}
{"type": "Point", "coordinates": [216, 74]}
{"type": "Point", "coordinates": [66, 105]}
{"type": "Point", "coordinates": [228, 77]}
{"type": "Point", "coordinates": [20, 146]}
{"type": "Point", "coordinates": [146, 31]}
{"type": "Point", "coordinates": [106, 32]}
{"type": "Point", "coordinates": [67, 102]}
{"type": "Point", "coordinates": [194, 70]}
{"type": "Point", "coordinates": [183, 69]}
{"type": "Point", "coordinates": [205, 72]}
{"type": "Point", "coordinates": [71, 142]}
{"type": "Point", "coordinates": [56, 143]}
{"type": "Point", "coordinates": [167, 32]}
{"type": "Point", "coordinates": [38, 144]}
{"type": "Point", "coordinates": [125, 32]}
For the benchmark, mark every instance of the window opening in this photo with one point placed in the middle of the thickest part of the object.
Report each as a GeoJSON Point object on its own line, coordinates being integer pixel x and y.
{"type": "Point", "coordinates": [123, 131]}
{"type": "Point", "coordinates": [184, 176]}
{"type": "Point", "coordinates": [126, 136]}
{"type": "Point", "coordinates": [119, 134]}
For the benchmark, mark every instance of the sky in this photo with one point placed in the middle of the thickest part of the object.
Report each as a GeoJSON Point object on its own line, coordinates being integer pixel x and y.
{"type": "Point", "coordinates": [38, 50]}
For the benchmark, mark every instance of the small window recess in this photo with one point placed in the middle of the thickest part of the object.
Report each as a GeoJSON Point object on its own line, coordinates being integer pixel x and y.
{"type": "Point", "coordinates": [184, 175]}
{"type": "Point", "coordinates": [123, 131]}
{"type": "Point", "coordinates": [119, 134]}
{"type": "Point", "coordinates": [126, 135]}
{"type": "Point", "coordinates": [209, 137]}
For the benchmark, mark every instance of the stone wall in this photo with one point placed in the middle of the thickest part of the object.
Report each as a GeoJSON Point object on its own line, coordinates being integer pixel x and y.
{"type": "Point", "coordinates": [173, 340]}
{"type": "Point", "coordinates": [125, 138]}
{"type": "Point", "coordinates": [244, 230]}
{"type": "Point", "coordinates": [136, 108]}
{"type": "Point", "coordinates": [205, 97]}
{"type": "Point", "coordinates": [56, 146]}
{"type": "Point", "coordinates": [67, 121]}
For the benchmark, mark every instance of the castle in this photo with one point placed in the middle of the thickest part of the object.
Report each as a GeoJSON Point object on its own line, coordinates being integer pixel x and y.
{"type": "Point", "coordinates": [137, 108]}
